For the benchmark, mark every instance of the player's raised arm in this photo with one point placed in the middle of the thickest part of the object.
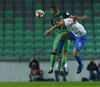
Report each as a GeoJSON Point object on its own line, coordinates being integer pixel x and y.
{"type": "Point", "coordinates": [48, 31]}
{"type": "Point", "coordinates": [79, 18]}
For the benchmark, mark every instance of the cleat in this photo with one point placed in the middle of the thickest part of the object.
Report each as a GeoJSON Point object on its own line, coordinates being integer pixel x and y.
{"type": "Point", "coordinates": [61, 73]}
{"type": "Point", "coordinates": [50, 71]}
{"type": "Point", "coordinates": [56, 53]}
{"type": "Point", "coordinates": [79, 69]}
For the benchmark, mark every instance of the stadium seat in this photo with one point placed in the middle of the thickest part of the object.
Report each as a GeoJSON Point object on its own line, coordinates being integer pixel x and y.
{"type": "Point", "coordinates": [38, 46]}
{"type": "Point", "coordinates": [8, 40]}
{"type": "Point", "coordinates": [28, 26]}
{"type": "Point", "coordinates": [82, 52]}
{"type": "Point", "coordinates": [77, 12]}
{"type": "Point", "coordinates": [28, 7]}
{"type": "Point", "coordinates": [67, 6]}
{"type": "Point", "coordinates": [19, 7]}
{"type": "Point", "coordinates": [38, 6]}
{"type": "Point", "coordinates": [19, 20]}
{"type": "Point", "coordinates": [48, 39]}
{"type": "Point", "coordinates": [38, 39]}
{"type": "Point", "coordinates": [96, 13]}
{"type": "Point", "coordinates": [8, 33]}
{"type": "Point", "coordinates": [18, 46]}
{"type": "Point", "coordinates": [47, 5]}
{"type": "Point", "coordinates": [38, 33]}
{"type": "Point", "coordinates": [96, 1]}
{"type": "Point", "coordinates": [77, 7]}
{"type": "Point", "coordinates": [87, 6]}
{"type": "Point", "coordinates": [57, 2]}
{"type": "Point", "coordinates": [89, 45]}
{"type": "Point", "coordinates": [96, 26]}
{"type": "Point", "coordinates": [47, 20]}
{"type": "Point", "coordinates": [90, 52]}
{"type": "Point", "coordinates": [2, 1]}
{"type": "Point", "coordinates": [47, 2]}
{"type": "Point", "coordinates": [28, 20]}
{"type": "Point", "coordinates": [18, 33]}
{"type": "Point", "coordinates": [9, 27]}
{"type": "Point", "coordinates": [88, 13]}
{"type": "Point", "coordinates": [47, 26]}
{"type": "Point", "coordinates": [96, 19]}
{"type": "Point", "coordinates": [80, 21]}
{"type": "Point", "coordinates": [28, 33]}
{"type": "Point", "coordinates": [19, 1]}
{"type": "Point", "coordinates": [87, 1]}
{"type": "Point", "coordinates": [19, 27]}
{"type": "Point", "coordinates": [67, 1]}
{"type": "Point", "coordinates": [9, 7]}
{"type": "Point", "coordinates": [29, 52]}
{"type": "Point", "coordinates": [28, 46]}
{"type": "Point", "coordinates": [9, 20]}
{"type": "Point", "coordinates": [19, 14]}
{"type": "Point", "coordinates": [28, 40]}
{"type": "Point", "coordinates": [1, 46]}
{"type": "Point", "coordinates": [96, 6]}
{"type": "Point", "coordinates": [18, 39]}
{"type": "Point", "coordinates": [1, 7]}
{"type": "Point", "coordinates": [1, 20]}
{"type": "Point", "coordinates": [47, 52]}
{"type": "Point", "coordinates": [88, 20]}
{"type": "Point", "coordinates": [97, 45]}
{"type": "Point", "coordinates": [77, 1]}
{"type": "Point", "coordinates": [28, 1]}
{"type": "Point", "coordinates": [38, 27]}
{"type": "Point", "coordinates": [88, 26]}
{"type": "Point", "coordinates": [97, 38]}
{"type": "Point", "coordinates": [9, 14]}
{"type": "Point", "coordinates": [97, 32]}
{"type": "Point", "coordinates": [48, 46]}
{"type": "Point", "coordinates": [9, 1]}
{"type": "Point", "coordinates": [29, 14]}
{"type": "Point", "coordinates": [1, 39]}
{"type": "Point", "coordinates": [38, 21]}
{"type": "Point", "coordinates": [39, 1]}
{"type": "Point", "coordinates": [1, 13]}
{"type": "Point", "coordinates": [48, 13]}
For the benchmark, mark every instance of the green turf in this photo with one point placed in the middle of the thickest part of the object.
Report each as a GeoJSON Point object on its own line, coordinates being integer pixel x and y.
{"type": "Point", "coordinates": [49, 84]}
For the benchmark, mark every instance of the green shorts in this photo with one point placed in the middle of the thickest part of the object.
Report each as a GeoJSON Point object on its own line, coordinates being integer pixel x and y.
{"type": "Point", "coordinates": [65, 46]}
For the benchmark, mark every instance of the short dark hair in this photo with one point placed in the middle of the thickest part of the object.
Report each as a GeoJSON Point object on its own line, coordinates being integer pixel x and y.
{"type": "Point", "coordinates": [54, 8]}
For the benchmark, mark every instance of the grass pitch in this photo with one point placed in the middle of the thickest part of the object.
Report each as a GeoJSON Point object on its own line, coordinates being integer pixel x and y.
{"type": "Point", "coordinates": [50, 84]}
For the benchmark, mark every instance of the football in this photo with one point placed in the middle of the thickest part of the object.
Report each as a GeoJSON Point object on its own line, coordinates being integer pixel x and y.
{"type": "Point", "coordinates": [39, 13]}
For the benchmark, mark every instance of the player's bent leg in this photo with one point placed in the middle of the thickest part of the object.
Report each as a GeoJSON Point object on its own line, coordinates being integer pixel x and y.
{"type": "Point", "coordinates": [61, 43]}
{"type": "Point", "coordinates": [52, 62]}
{"type": "Point", "coordinates": [78, 58]}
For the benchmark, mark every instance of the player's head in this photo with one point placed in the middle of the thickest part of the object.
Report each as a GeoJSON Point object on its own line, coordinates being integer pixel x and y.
{"type": "Point", "coordinates": [59, 22]}
{"type": "Point", "coordinates": [54, 9]}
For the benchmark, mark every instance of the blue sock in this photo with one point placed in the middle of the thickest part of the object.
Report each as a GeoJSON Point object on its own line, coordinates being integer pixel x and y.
{"type": "Point", "coordinates": [78, 58]}
{"type": "Point", "coordinates": [60, 45]}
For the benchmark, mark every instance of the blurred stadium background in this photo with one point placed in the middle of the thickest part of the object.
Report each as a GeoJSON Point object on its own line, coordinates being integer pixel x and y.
{"type": "Point", "coordinates": [21, 36]}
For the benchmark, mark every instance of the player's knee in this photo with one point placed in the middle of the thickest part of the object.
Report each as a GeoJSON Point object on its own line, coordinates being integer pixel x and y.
{"type": "Point", "coordinates": [75, 54]}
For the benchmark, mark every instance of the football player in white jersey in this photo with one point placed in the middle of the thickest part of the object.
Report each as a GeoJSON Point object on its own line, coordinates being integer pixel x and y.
{"type": "Point", "coordinates": [77, 33]}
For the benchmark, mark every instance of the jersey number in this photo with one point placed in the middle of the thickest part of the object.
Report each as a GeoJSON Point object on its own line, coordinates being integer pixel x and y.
{"type": "Point", "coordinates": [79, 44]}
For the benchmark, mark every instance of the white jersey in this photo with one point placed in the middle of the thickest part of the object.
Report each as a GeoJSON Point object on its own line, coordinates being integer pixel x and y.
{"type": "Point", "coordinates": [77, 29]}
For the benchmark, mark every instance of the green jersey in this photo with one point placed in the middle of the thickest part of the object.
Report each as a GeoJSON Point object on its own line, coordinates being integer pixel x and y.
{"type": "Point", "coordinates": [60, 30]}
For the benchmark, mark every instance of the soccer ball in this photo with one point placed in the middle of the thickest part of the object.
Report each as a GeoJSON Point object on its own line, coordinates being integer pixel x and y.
{"type": "Point", "coordinates": [39, 13]}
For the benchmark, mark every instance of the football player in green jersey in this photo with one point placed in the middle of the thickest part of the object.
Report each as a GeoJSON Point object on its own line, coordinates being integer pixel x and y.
{"type": "Point", "coordinates": [55, 12]}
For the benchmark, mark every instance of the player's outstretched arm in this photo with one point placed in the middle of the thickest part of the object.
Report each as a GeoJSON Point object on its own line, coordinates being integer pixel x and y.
{"type": "Point", "coordinates": [79, 18]}
{"type": "Point", "coordinates": [48, 31]}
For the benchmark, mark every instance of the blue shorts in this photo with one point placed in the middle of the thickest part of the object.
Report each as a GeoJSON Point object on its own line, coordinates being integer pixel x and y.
{"type": "Point", "coordinates": [80, 41]}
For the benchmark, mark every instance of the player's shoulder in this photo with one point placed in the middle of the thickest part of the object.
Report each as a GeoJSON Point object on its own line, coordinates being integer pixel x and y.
{"type": "Point", "coordinates": [65, 12]}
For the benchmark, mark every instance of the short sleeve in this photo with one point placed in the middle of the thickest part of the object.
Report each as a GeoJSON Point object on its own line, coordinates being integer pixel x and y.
{"type": "Point", "coordinates": [65, 14]}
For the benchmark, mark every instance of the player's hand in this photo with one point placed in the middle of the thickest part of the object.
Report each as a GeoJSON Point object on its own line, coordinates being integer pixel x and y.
{"type": "Point", "coordinates": [84, 17]}
{"type": "Point", "coordinates": [47, 32]}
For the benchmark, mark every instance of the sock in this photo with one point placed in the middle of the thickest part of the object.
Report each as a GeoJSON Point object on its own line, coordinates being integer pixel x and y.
{"type": "Point", "coordinates": [52, 62]}
{"type": "Point", "coordinates": [78, 58]}
{"type": "Point", "coordinates": [63, 61]}
{"type": "Point", "coordinates": [60, 45]}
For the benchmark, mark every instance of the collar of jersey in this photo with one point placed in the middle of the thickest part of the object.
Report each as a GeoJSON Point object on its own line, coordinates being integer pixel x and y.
{"type": "Point", "coordinates": [57, 13]}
